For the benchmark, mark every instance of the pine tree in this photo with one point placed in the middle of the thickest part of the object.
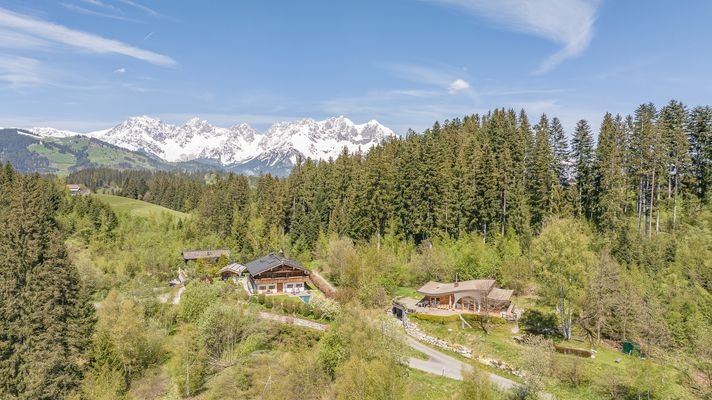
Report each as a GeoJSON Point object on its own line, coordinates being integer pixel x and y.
{"type": "Point", "coordinates": [544, 181]}
{"type": "Point", "coordinates": [46, 316]}
{"type": "Point", "coordinates": [700, 131]}
{"type": "Point", "coordinates": [673, 121]}
{"type": "Point", "coordinates": [560, 151]}
{"type": "Point", "coordinates": [610, 183]}
{"type": "Point", "coordinates": [584, 164]}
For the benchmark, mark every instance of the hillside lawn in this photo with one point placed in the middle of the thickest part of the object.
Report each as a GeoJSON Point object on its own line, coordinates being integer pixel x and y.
{"type": "Point", "coordinates": [138, 208]}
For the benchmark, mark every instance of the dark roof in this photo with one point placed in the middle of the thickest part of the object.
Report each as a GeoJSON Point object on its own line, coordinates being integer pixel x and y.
{"type": "Point", "coordinates": [196, 254]}
{"type": "Point", "coordinates": [270, 261]}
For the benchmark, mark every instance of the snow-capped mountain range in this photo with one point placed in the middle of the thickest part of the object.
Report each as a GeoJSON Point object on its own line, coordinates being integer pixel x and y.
{"type": "Point", "coordinates": [198, 140]}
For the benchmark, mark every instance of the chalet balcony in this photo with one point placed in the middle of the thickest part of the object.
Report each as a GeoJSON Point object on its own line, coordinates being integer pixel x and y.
{"type": "Point", "coordinates": [280, 279]}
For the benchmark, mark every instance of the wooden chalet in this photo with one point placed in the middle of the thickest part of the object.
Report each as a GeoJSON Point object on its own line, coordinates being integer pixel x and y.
{"type": "Point", "coordinates": [273, 274]}
{"type": "Point", "coordinates": [479, 295]}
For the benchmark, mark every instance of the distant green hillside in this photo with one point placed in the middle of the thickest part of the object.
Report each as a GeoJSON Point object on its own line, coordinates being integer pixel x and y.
{"type": "Point", "coordinates": [137, 207]}
{"type": "Point", "coordinates": [64, 155]}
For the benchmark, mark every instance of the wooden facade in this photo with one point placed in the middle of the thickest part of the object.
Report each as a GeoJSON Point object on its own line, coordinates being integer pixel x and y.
{"type": "Point", "coordinates": [474, 296]}
{"type": "Point", "coordinates": [273, 274]}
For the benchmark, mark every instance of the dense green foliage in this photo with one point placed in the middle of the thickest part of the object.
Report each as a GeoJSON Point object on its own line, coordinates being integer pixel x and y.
{"type": "Point", "coordinates": [45, 313]}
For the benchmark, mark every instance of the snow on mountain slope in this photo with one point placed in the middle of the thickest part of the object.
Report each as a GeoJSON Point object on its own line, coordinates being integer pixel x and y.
{"type": "Point", "coordinates": [240, 144]}
{"type": "Point", "coordinates": [52, 132]}
{"type": "Point", "coordinates": [195, 140]}
{"type": "Point", "coordinates": [319, 140]}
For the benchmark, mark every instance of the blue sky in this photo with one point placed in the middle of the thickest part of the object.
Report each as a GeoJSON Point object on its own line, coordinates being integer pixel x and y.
{"type": "Point", "coordinates": [89, 64]}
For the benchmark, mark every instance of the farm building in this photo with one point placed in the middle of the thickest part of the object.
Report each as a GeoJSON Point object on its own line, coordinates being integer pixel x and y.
{"type": "Point", "coordinates": [194, 255]}
{"type": "Point", "coordinates": [74, 189]}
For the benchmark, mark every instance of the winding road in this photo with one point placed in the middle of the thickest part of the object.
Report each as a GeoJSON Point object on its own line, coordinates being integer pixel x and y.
{"type": "Point", "coordinates": [444, 365]}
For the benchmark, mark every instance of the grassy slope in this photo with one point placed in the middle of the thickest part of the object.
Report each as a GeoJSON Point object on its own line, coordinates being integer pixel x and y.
{"type": "Point", "coordinates": [137, 207]}
{"type": "Point", "coordinates": [499, 345]}
{"type": "Point", "coordinates": [61, 161]}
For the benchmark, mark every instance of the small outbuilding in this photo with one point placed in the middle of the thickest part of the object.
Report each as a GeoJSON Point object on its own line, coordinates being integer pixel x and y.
{"type": "Point", "coordinates": [231, 270]}
{"type": "Point", "coordinates": [193, 255]}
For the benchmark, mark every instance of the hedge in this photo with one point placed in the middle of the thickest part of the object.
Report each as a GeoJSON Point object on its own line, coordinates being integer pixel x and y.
{"type": "Point", "coordinates": [470, 318]}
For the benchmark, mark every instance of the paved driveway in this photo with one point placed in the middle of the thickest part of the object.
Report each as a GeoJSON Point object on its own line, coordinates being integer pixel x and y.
{"type": "Point", "coordinates": [444, 365]}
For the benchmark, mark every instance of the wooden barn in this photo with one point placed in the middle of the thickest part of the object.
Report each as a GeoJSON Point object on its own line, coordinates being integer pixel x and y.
{"type": "Point", "coordinates": [194, 255]}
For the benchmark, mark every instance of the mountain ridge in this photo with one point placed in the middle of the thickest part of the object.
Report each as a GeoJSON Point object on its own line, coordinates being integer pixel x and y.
{"type": "Point", "coordinates": [238, 145]}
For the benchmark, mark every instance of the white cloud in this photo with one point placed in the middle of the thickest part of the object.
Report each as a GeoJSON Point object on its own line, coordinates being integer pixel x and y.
{"type": "Point", "coordinates": [458, 85]}
{"type": "Point", "coordinates": [81, 40]}
{"type": "Point", "coordinates": [20, 72]}
{"type": "Point", "coordinates": [121, 70]}
{"type": "Point", "coordinates": [422, 74]}
{"type": "Point", "coordinates": [566, 22]}
{"type": "Point", "coordinates": [83, 10]}
{"type": "Point", "coordinates": [444, 78]}
{"type": "Point", "coordinates": [101, 4]}
{"type": "Point", "coordinates": [141, 7]}
{"type": "Point", "coordinates": [15, 40]}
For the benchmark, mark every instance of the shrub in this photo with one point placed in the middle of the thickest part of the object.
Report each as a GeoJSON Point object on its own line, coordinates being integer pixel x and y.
{"type": "Point", "coordinates": [537, 322]}
{"type": "Point", "coordinates": [197, 297]}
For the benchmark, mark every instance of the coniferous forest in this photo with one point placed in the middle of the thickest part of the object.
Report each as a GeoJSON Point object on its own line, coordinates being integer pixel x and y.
{"type": "Point", "coordinates": [604, 233]}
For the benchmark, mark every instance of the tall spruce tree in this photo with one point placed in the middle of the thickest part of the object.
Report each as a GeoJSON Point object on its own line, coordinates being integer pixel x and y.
{"type": "Point", "coordinates": [673, 121]}
{"type": "Point", "coordinates": [544, 184]}
{"type": "Point", "coordinates": [584, 168]}
{"type": "Point", "coordinates": [610, 182]}
{"type": "Point", "coordinates": [700, 131]}
{"type": "Point", "coordinates": [560, 151]}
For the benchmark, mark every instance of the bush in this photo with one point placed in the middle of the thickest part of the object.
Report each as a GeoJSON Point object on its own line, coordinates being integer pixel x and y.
{"type": "Point", "coordinates": [537, 322]}
{"type": "Point", "coordinates": [571, 370]}
{"type": "Point", "coordinates": [197, 297]}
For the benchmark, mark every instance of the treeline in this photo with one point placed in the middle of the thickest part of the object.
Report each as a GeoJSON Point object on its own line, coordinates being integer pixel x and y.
{"type": "Point", "coordinates": [178, 191]}
{"type": "Point", "coordinates": [496, 173]}
{"type": "Point", "coordinates": [46, 316]}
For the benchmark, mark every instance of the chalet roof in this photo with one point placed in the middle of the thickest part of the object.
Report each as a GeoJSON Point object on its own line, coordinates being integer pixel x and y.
{"type": "Point", "coordinates": [233, 268]}
{"type": "Point", "coordinates": [196, 254]}
{"type": "Point", "coordinates": [433, 288]}
{"type": "Point", "coordinates": [497, 294]}
{"type": "Point", "coordinates": [270, 261]}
